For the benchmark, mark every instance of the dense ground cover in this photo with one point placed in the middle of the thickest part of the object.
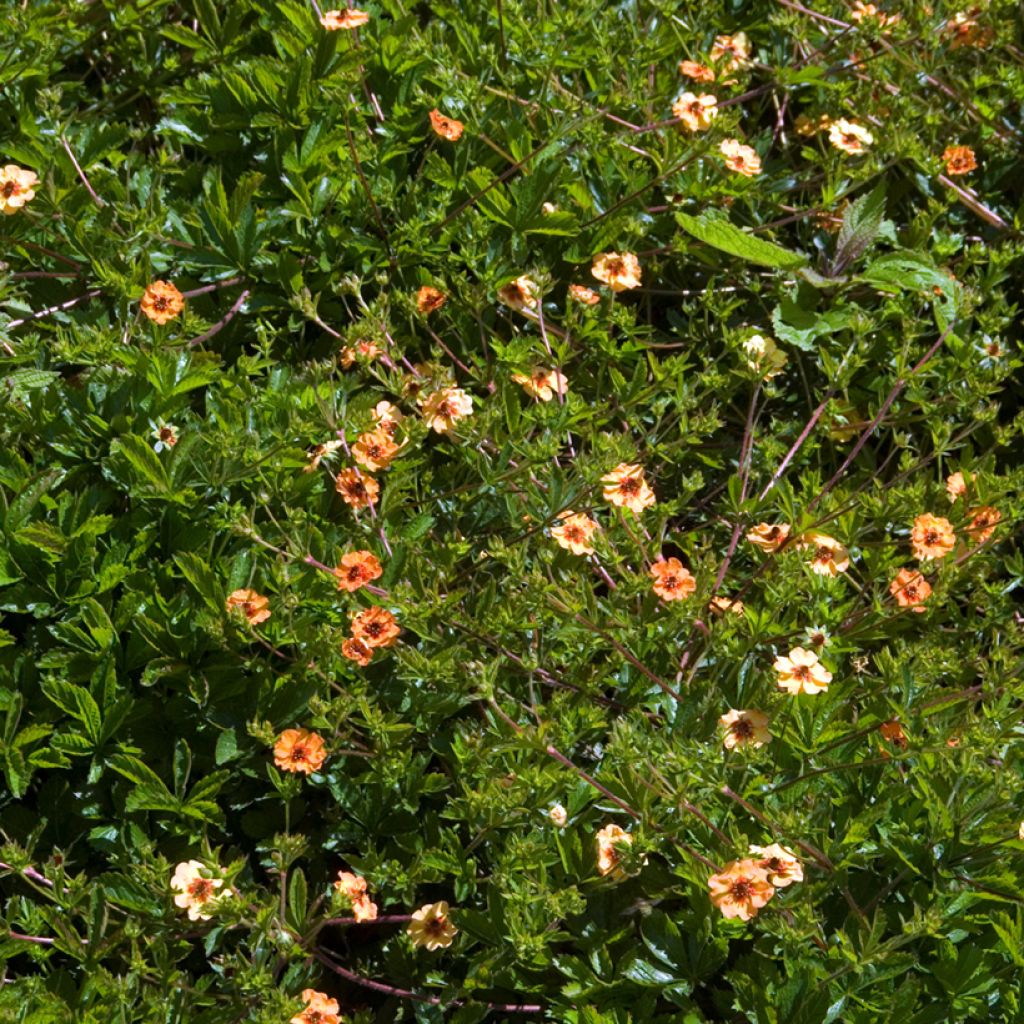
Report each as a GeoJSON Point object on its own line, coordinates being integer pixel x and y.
{"type": "Point", "coordinates": [510, 511]}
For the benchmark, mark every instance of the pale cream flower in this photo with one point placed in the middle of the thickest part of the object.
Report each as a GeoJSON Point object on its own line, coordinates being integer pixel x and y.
{"type": "Point", "coordinates": [779, 864]}
{"type": "Point", "coordinates": [444, 408]}
{"type": "Point", "coordinates": [197, 890]}
{"type": "Point", "coordinates": [801, 672]}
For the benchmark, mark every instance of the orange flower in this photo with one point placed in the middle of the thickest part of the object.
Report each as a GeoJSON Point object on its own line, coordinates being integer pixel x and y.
{"type": "Point", "coordinates": [745, 727]}
{"type": "Point", "coordinates": [364, 909]}
{"type": "Point", "coordinates": [619, 271]}
{"type": "Point", "coordinates": [741, 890]}
{"type": "Point", "coordinates": [830, 557]}
{"type": "Point", "coordinates": [357, 650]}
{"type": "Point", "coordinates": [357, 489]}
{"type": "Point", "coordinates": [862, 12]}
{"type": "Point", "coordinates": [737, 47]}
{"type": "Point", "coordinates": [361, 350]}
{"type": "Point", "coordinates": [910, 589]}
{"type": "Point", "coordinates": [17, 187]}
{"type": "Point", "coordinates": [162, 302]}
{"type": "Point", "coordinates": [428, 299]}
{"type": "Point", "coordinates": [779, 864]}
{"type": "Point", "coordinates": [543, 383]}
{"type": "Point", "coordinates": [347, 19]}
{"type": "Point", "coordinates": [431, 927]}
{"type": "Point", "coordinates": [585, 295]}
{"type": "Point", "coordinates": [769, 536]}
{"type": "Point", "coordinates": [387, 417]}
{"type": "Point", "coordinates": [849, 136]}
{"type": "Point", "coordinates": [671, 581]}
{"type": "Point", "coordinates": [739, 158]}
{"type": "Point", "coordinates": [609, 857]}
{"type": "Point", "coordinates": [721, 605]}
{"type": "Point", "coordinates": [801, 672]}
{"type": "Point", "coordinates": [932, 536]}
{"type": "Point", "coordinates": [626, 487]}
{"type": "Point", "coordinates": [696, 112]}
{"type": "Point", "coordinates": [444, 408]}
{"type": "Point", "coordinates": [356, 569]}
{"type": "Point", "coordinates": [698, 72]}
{"type": "Point", "coordinates": [299, 750]}
{"type": "Point", "coordinates": [964, 30]}
{"type": "Point", "coordinates": [574, 532]}
{"type": "Point", "coordinates": [520, 293]}
{"type": "Point", "coordinates": [320, 1008]}
{"type": "Point", "coordinates": [447, 127]}
{"type": "Point", "coordinates": [893, 732]}
{"type": "Point", "coordinates": [376, 627]}
{"type": "Point", "coordinates": [374, 449]}
{"type": "Point", "coordinates": [983, 523]}
{"type": "Point", "coordinates": [255, 607]}
{"type": "Point", "coordinates": [353, 887]}
{"type": "Point", "coordinates": [956, 485]}
{"type": "Point", "coordinates": [959, 159]}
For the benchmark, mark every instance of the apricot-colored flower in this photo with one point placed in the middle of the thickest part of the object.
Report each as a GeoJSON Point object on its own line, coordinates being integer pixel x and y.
{"type": "Point", "coordinates": [698, 72]}
{"type": "Point", "coordinates": [299, 750]}
{"type": "Point", "coordinates": [357, 489]}
{"type": "Point", "coordinates": [620, 271]}
{"type": "Point", "coordinates": [964, 30]}
{"type": "Point", "coordinates": [387, 417]}
{"type": "Point", "coordinates": [779, 864]}
{"type": "Point", "coordinates": [932, 536]}
{"type": "Point", "coordinates": [865, 12]}
{"type": "Point", "coordinates": [347, 19]}
{"type": "Point", "coordinates": [364, 909]}
{"type": "Point", "coordinates": [357, 650]}
{"type": "Point", "coordinates": [739, 158]}
{"type": "Point", "coordinates": [318, 452]}
{"type": "Point", "coordinates": [444, 408]}
{"type": "Point", "coordinates": [161, 302]}
{"type": "Point", "coordinates": [910, 589]}
{"type": "Point", "coordinates": [320, 1008]}
{"type": "Point", "coordinates": [722, 605]}
{"type": "Point", "coordinates": [609, 857]}
{"type": "Point", "coordinates": [741, 890]}
{"type": "Point", "coordinates": [361, 350]}
{"type": "Point", "coordinates": [829, 558]}
{"type": "Point", "coordinates": [956, 485]}
{"type": "Point", "coordinates": [374, 449]}
{"type": "Point", "coordinates": [430, 926]}
{"type": "Point", "coordinates": [447, 127]}
{"type": "Point", "coordinates": [356, 569]}
{"type": "Point", "coordinates": [351, 885]}
{"type": "Point", "coordinates": [376, 627]}
{"type": "Point", "coordinates": [626, 487]}
{"type": "Point", "coordinates": [672, 582]}
{"type": "Point", "coordinates": [769, 536]}
{"type": "Point", "coordinates": [959, 159]}
{"type": "Point", "coordinates": [428, 299]}
{"type": "Point", "coordinates": [558, 815]}
{"type": "Point", "coordinates": [574, 532]}
{"type": "Point", "coordinates": [893, 732]}
{"type": "Point", "coordinates": [743, 728]}
{"type": "Point", "coordinates": [543, 383]}
{"type": "Point", "coordinates": [983, 523]}
{"type": "Point", "coordinates": [764, 355]}
{"type": "Point", "coordinates": [696, 112]}
{"type": "Point", "coordinates": [17, 187]}
{"type": "Point", "coordinates": [196, 889]}
{"type": "Point", "coordinates": [585, 295]}
{"type": "Point", "coordinates": [736, 47]}
{"type": "Point", "coordinates": [849, 136]}
{"type": "Point", "coordinates": [520, 293]}
{"type": "Point", "coordinates": [255, 607]}
{"type": "Point", "coordinates": [801, 672]}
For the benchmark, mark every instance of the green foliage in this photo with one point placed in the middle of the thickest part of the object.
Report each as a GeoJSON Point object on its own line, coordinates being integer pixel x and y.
{"type": "Point", "coordinates": [287, 180]}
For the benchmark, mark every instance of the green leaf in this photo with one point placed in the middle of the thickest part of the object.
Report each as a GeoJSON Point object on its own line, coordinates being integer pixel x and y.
{"type": "Point", "coordinates": [297, 898]}
{"type": "Point", "coordinates": [715, 230]}
{"type": "Point", "coordinates": [861, 224]}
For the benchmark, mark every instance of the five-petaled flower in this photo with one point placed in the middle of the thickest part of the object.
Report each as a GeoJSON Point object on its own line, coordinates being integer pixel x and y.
{"type": "Point", "coordinates": [610, 840]}
{"type": "Point", "coordinates": [196, 889]}
{"type": "Point", "coordinates": [736, 47]}
{"type": "Point", "coordinates": [739, 158]}
{"type": "Point", "coordinates": [619, 270]}
{"type": "Point", "coordinates": [801, 672]}
{"type": "Point", "coordinates": [165, 435]}
{"type": "Point", "coordinates": [910, 589]}
{"type": "Point", "coordinates": [347, 19]}
{"type": "Point", "coordinates": [376, 627]}
{"type": "Point", "coordinates": [319, 1009]}
{"type": "Point", "coordinates": [357, 650]}
{"type": "Point", "coordinates": [574, 532]}
{"type": "Point", "coordinates": [428, 299]}
{"type": "Point", "coordinates": [431, 926]}
{"type": "Point", "coordinates": [626, 487]}
{"type": "Point", "coordinates": [357, 489]}
{"type": "Point", "coordinates": [361, 350]}
{"type": "Point", "coordinates": [983, 523]}
{"type": "Point", "coordinates": [959, 160]}
{"type": "Point", "coordinates": [741, 890]}
{"type": "Point", "coordinates": [542, 383]}
{"type": "Point", "coordinates": [299, 750]}
{"type": "Point", "coordinates": [696, 112]}
{"type": "Point", "coordinates": [375, 449]}
{"type": "Point", "coordinates": [829, 557]}
{"type": "Point", "coordinates": [520, 293]}
{"type": "Point", "coordinates": [583, 294]}
{"type": "Point", "coordinates": [254, 606]}
{"type": "Point", "coordinates": [893, 732]}
{"type": "Point", "coordinates": [698, 72]}
{"type": "Point", "coordinates": [356, 569]}
{"type": "Point", "coordinates": [743, 728]}
{"type": "Point", "coordinates": [932, 536]}
{"type": "Point", "coordinates": [444, 408]}
{"type": "Point", "coordinates": [447, 127]}
{"type": "Point", "coordinates": [161, 302]}
{"type": "Point", "coordinates": [672, 582]}
{"type": "Point", "coordinates": [779, 864]}
{"type": "Point", "coordinates": [956, 485]}
{"type": "Point", "coordinates": [769, 536]}
{"type": "Point", "coordinates": [722, 605]}
{"type": "Point", "coordinates": [17, 187]}
{"type": "Point", "coordinates": [849, 136]}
